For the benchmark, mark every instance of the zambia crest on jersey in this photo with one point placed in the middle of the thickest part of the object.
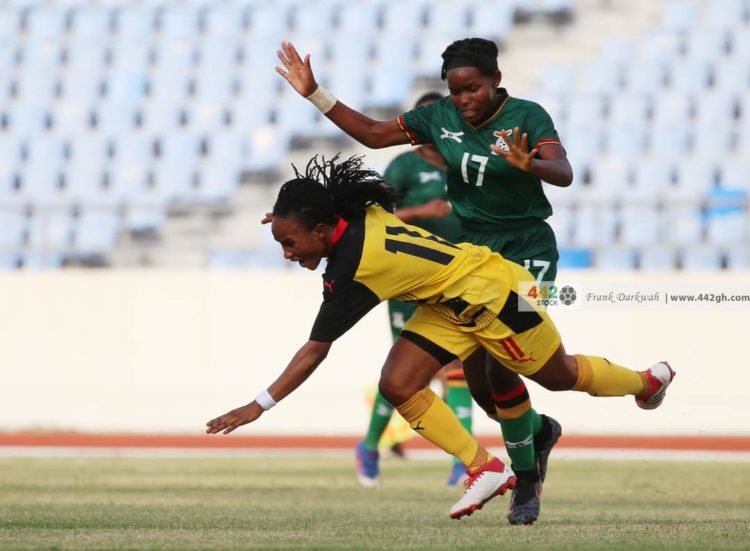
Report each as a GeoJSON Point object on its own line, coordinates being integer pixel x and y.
{"type": "Point", "coordinates": [500, 142]}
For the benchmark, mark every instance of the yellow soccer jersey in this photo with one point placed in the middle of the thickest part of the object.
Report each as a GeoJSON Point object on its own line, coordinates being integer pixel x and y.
{"type": "Point", "coordinates": [377, 257]}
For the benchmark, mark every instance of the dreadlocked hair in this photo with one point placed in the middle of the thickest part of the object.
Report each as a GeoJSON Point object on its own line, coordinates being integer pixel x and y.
{"type": "Point", "coordinates": [470, 52]}
{"type": "Point", "coordinates": [329, 189]}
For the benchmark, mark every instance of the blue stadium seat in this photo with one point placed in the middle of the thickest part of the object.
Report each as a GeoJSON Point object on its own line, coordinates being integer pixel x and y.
{"type": "Point", "coordinates": [129, 57]}
{"type": "Point", "coordinates": [740, 44]}
{"type": "Point", "coordinates": [448, 18]}
{"type": "Point", "coordinates": [96, 231]}
{"type": "Point", "coordinates": [50, 231]}
{"type": "Point", "coordinates": [313, 18]}
{"type": "Point", "coordinates": [670, 138]}
{"type": "Point", "coordinates": [703, 258]}
{"type": "Point", "coordinates": [680, 15]}
{"type": "Point", "coordinates": [626, 140]}
{"type": "Point", "coordinates": [657, 258]}
{"type": "Point", "coordinates": [12, 230]}
{"type": "Point", "coordinates": [646, 77]}
{"type": "Point", "coordinates": [617, 49]}
{"type": "Point", "coordinates": [595, 225]}
{"type": "Point", "coordinates": [491, 20]}
{"type": "Point", "coordinates": [641, 225]}
{"type": "Point", "coordinates": [389, 87]}
{"type": "Point", "coordinates": [615, 258]}
{"type": "Point", "coordinates": [690, 75]}
{"type": "Point", "coordinates": [695, 178]}
{"type": "Point", "coordinates": [672, 108]}
{"type": "Point", "coordinates": [179, 22]}
{"type": "Point", "coordinates": [726, 13]}
{"type": "Point", "coordinates": [584, 111]}
{"type": "Point", "coordinates": [91, 24]}
{"type": "Point", "coordinates": [707, 44]}
{"type": "Point", "coordinates": [609, 180]}
{"type": "Point", "coordinates": [575, 258]}
{"type": "Point", "coordinates": [661, 45]}
{"type": "Point", "coordinates": [652, 181]}
{"type": "Point", "coordinates": [10, 25]}
{"type": "Point", "coordinates": [630, 108]}
{"type": "Point", "coordinates": [45, 24]}
{"type": "Point", "coordinates": [601, 76]}
{"type": "Point", "coordinates": [217, 182]}
{"type": "Point", "coordinates": [10, 261]}
{"type": "Point", "coordinates": [354, 17]}
{"type": "Point", "coordinates": [225, 20]}
{"type": "Point", "coordinates": [683, 224]}
{"type": "Point", "coordinates": [270, 19]}
{"type": "Point", "coordinates": [135, 23]}
{"type": "Point", "coordinates": [738, 258]}
{"type": "Point", "coordinates": [403, 18]}
{"type": "Point", "coordinates": [732, 76]}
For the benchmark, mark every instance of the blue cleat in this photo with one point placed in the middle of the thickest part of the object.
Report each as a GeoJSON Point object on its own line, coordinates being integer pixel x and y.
{"type": "Point", "coordinates": [458, 474]}
{"type": "Point", "coordinates": [368, 468]}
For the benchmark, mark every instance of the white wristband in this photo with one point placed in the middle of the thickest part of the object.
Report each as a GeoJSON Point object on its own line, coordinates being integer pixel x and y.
{"type": "Point", "coordinates": [322, 99]}
{"type": "Point", "coordinates": [265, 400]}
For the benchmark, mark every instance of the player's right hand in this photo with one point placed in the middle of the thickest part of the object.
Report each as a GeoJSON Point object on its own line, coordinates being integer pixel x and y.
{"type": "Point", "coordinates": [436, 208]}
{"type": "Point", "coordinates": [296, 71]}
{"type": "Point", "coordinates": [235, 418]}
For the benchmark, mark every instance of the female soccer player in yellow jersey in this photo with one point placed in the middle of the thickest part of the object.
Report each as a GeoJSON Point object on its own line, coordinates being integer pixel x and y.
{"type": "Point", "coordinates": [467, 297]}
{"type": "Point", "coordinates": [497, 150]}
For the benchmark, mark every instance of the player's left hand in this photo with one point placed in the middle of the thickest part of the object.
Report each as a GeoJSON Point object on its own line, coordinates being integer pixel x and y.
{"type": "Point", "coordinates": [518, 154]}
{"type": "Point", "coordinates": [235, 418]}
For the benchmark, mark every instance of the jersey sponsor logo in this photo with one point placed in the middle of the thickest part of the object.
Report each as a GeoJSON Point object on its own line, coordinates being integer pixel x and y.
{"type": "Point", "coordinates": [328, 285]}
{"type": "Point", "coordinates": [448, 135]}
{"type": "Point", "coordinates": [425, 177]}
{"type": "Point", "coordinates": [500, 142]}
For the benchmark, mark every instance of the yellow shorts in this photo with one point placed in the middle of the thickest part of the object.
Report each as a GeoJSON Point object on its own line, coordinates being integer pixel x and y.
{"type": "Point", "coordinates": [520, 338]}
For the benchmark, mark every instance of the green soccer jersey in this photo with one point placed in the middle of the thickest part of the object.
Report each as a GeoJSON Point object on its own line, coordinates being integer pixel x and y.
{"type": "Point", "coordinates": [418, 182]}
{"type": "Point", "coordinates": [482, 186]}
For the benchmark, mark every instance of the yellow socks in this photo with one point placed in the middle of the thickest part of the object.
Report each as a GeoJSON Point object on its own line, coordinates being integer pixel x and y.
{"type": "Point", "coordinates": [599, 377]}
{"type": "Point", "coordinates": [431, 418]}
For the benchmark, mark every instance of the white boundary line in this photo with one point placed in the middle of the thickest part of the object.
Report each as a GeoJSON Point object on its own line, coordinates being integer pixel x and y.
{"type": "Point", "coordinates": [13, 452]}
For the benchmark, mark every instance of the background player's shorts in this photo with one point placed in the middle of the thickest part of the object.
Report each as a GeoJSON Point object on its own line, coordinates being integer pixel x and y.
{"type": "Point", "coordinates": [521, 338]}
{"type": "Point", "coordinates": [530, 242]}
{"type": "Point", "coordinates": [399, 313]}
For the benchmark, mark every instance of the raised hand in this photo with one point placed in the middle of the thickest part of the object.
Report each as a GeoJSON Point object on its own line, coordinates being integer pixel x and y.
{"type": "Point", "coordinates": [296, 71]}
{"type": "Point", "coordinates": [235, 418]}
{"type": "Point", "coordinates": [518, 154]}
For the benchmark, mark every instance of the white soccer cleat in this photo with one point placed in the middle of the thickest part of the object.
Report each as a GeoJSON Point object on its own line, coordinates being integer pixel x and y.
{"type": "Point", "coordinates": [492, 479]}
{"type": "Point", "coordinates": [658, 378]}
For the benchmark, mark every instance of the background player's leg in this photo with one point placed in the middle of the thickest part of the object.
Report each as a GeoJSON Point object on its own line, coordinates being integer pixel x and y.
{"type": "Point", "coordinates": [458, 398]}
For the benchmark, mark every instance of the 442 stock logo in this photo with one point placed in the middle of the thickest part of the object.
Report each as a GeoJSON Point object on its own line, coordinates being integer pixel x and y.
{"type": "Point", "coordinates": [548, 294]}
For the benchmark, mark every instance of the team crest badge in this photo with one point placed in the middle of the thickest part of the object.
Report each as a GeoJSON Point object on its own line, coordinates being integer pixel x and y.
{"type": "Point", "coordinates": [500, 142]}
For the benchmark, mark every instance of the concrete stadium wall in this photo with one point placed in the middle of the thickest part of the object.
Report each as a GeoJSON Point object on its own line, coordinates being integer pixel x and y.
{"type": "Point", "coordinates": [158, 351]}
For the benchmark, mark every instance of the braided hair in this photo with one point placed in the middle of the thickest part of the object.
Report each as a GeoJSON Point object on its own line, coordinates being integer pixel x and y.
{"type": "Point", "coordinates": [329, 189]}
{"type": "Point", "coordinates": [470, 52]}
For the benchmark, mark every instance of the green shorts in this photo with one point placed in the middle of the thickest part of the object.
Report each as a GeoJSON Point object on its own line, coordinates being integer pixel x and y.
{"type": "Point", "coordinates": [399, 313]}
{"type": "Point", "coordinates": [531, 244]}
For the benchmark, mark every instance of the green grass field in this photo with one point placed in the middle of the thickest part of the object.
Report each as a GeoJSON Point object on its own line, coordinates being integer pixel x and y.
{"type": "Point", "coordinates": [315, 503]}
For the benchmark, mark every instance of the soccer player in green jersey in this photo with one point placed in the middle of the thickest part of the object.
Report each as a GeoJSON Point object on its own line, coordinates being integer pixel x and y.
{"type": "Point", "coordinates": [497, 149]}
{"type": "Point", "coordinates": [418, 176]}
{"type": "Point", "coordinates": [467, 299]}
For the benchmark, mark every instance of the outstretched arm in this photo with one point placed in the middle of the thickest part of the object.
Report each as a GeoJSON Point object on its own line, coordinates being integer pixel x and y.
{"type": "Point", "coordinates": [369, 132]}
{"type": "Point", "coordinates": [305, 361]}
